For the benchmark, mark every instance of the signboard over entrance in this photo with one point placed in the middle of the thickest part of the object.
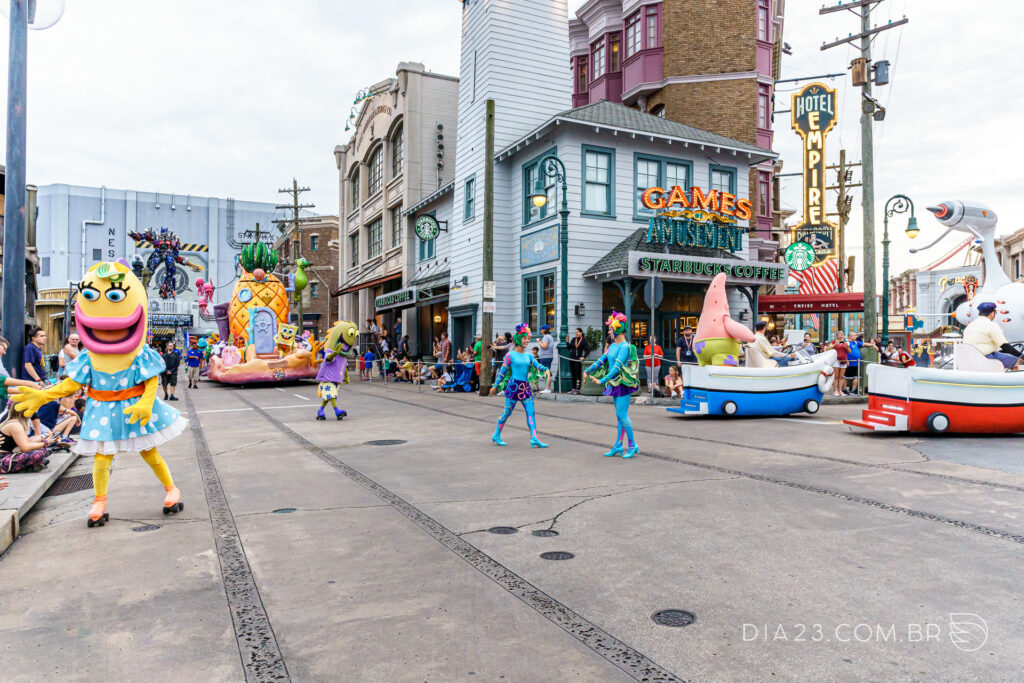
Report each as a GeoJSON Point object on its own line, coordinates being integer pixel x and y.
{"type": "Point", "coordinates": [813, 116]}
{"type": "Point", "coordinates": [702, 269]}
{"type": "Point", "coordinates": [403, 297]}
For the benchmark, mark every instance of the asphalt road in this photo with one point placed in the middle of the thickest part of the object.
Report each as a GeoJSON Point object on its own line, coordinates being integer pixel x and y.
{"type": "Point", "coordinates": [319, 551]}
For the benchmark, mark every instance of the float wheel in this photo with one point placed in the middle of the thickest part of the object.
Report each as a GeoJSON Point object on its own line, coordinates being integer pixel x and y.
{"type": "Point", "coordinates": [729, 408]}
{"type": "Point", "coordinates": [937, 422]}
{"type": "Point", "coordinates": [811, 406]}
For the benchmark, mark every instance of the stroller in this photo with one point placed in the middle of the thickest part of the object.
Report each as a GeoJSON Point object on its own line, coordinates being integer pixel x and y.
{"type": "Point", "coordinates": [462, 378]}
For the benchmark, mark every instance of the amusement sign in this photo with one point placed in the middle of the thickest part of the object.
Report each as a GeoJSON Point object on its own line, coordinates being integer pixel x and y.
{"type": "Point", "coordinates": [813, 116]}
{"type": "Point", "coordinates": [700, 220]}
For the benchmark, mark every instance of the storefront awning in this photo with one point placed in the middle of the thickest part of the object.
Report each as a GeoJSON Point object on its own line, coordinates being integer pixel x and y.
{"type": "Point", "coordinates": [812, 303]}
{"type": "Point", "coordinates": [348, 287]}
{"type": "Point", "coordinates": [433, 277]}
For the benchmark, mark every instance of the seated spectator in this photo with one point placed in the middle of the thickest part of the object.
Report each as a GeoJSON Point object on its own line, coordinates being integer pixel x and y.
{"type": "Point", "coordinates": [79, 412]}
{"type": "Point", "coordinates": [18, 451]}
{"type": "Point", "coordinates": [445, 381]}
{"type": "Point", "coordinates": [674, 382]}
{"type": "Point", "coordinates": [58, 418]}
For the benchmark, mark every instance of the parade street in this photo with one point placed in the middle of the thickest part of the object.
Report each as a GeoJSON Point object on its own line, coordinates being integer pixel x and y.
{"type": "Point", "coordinates": [399, 544]}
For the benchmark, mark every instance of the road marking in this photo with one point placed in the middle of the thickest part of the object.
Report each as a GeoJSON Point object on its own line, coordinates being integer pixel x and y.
{"type": "Point", "coordinates": [257, 644]}
{"type": "Point", "coordinates": [279, 388]}
{"type": "Point", "coordinates": [299, 396]}
{"type": "Point", "coordinates": [806, 421]}
{"type": "Point", "coordinates": [631, 661]}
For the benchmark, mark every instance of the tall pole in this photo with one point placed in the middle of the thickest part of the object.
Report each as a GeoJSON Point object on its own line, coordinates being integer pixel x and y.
{"type": "Point", "coordinates": [867, 159]}
{"type": "Point", "coordinates": [14, 188]}
{"type": "Point", "coordinates": [296, 208]}
{"type": "Point", "coordinates": [563, 248]}
{"type": "Point", "coordinates": [841, 236]}
{"type": "Point", "coordinates": [897, 203]}
{"type": "Point", "coordinates": [487, 318]}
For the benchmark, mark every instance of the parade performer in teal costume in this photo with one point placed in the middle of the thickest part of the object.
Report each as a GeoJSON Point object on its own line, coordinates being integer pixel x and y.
{"type": "Point", "coordinates": [617, 371]}
{"type": "Point", "coordinates": [514, 379]}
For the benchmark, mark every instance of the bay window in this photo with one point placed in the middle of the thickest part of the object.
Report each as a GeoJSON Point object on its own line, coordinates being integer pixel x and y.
{"type": "Point", "coordinates": [599, 58]}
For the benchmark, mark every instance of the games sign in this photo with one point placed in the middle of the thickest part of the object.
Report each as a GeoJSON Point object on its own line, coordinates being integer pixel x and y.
{"type": "Point", "coordinates": [813, 116]}
{"type": "Point", "coordinates": [695, 220]}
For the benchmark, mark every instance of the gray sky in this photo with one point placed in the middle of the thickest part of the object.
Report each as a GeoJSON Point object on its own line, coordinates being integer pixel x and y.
{"type": "Point", "coordinates": [234, 98]}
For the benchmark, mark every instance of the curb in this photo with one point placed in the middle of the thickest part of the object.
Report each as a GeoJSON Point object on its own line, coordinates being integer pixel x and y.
{"type": "Point", "coordinates": [648, 401]}
{"type": "Point", "coordinates": [24, 491]}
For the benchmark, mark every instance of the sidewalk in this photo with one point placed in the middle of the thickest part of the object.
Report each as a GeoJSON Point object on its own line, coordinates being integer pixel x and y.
{"type": "Point", "coordinates": [24, 491]}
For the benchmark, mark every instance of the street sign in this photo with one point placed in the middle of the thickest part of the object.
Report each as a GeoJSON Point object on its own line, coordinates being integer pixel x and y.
{"type": "Point", "coordinates": [490, 290]}
{"type": "Point", "coordinates": [654, 292]}
{"type": "Point", "coordinates": [488, 307]}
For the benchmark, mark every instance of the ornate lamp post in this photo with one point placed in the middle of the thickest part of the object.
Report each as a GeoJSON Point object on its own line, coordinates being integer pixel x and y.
{"type": "Point", "coordinates": [552, 167]}
{"type": "Point", "coordinates": [898, 203]}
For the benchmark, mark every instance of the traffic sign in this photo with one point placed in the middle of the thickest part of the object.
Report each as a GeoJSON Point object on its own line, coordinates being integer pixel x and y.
{"type": "Point", "coordinates": [654, 292]}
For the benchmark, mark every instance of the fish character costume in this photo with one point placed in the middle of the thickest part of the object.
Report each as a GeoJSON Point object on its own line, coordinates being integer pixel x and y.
{"type": "Point", "coordinates": [718, 336]}
{"type": "Point", "coordinates": [618, 372]}
{"type": "Point", "coordinates": [339, 349]}
{"type": "Point", "coordinates": [514, 378]}
{"type": "Point", "coordinates": [120, 375]}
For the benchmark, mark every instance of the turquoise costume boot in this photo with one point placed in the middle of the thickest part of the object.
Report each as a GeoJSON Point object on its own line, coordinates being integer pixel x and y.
{"type": "Point", "coordinates": [616, 450]}
{"type": "Point", "coordinates": [633, 450]}
{"type": "Point", "coordinates": [537, 443]}
{"type": "Point", "coordinates": [497, 437]}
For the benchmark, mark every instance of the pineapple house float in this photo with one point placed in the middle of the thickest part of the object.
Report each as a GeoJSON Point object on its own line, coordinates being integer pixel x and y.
{"type": "Point", "coordinates": [260, 346]}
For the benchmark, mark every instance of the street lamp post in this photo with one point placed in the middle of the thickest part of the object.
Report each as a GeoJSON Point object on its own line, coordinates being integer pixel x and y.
{"type": "Point", "coordinates": [898, 203]}
{"type": "Point", "coordinates": [552, 167]}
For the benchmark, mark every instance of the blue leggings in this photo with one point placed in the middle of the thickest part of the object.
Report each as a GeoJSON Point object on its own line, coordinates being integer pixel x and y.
{"type": "Point", "coordinates": [510, 405]}
{"type": "Point", "coordinates": [625, 425]}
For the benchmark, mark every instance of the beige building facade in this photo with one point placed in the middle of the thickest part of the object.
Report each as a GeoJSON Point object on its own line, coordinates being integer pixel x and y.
{"type": "Point", "coordinates": [402, 152]}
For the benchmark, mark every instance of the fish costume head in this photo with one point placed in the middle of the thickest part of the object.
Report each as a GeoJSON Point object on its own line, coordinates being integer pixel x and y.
{"type": "Point", "coordinates": [110, 312]}
{"type": "Point", "coordinates": [342, 337]}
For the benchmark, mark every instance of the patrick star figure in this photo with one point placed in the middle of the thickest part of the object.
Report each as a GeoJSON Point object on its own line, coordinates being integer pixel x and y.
{"type": "Point", "coordinates": [718, 337]}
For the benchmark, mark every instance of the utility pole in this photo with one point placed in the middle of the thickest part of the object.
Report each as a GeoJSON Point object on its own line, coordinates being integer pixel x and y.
{"type": "Point", "coordinates": [487, 319]}
{"type": "Point", "coordinates": [295, 191]}
{"type": "Point", "coordinates": [843, 205]}
{"type": "Point", "coordinates": [869, 112]}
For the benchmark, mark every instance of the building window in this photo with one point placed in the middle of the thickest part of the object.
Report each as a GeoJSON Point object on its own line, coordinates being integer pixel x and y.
{"type": "Point", "coordinates": [314, 242]}
{"type": "Point", "coordinates": [723, 179]}
{"type": "Point", "coordinates": [397, 152]}
{"type": "Point", "coordinates": [677, 174]}
{"type": "Point", "coordinates": [633, 37]}
{"type": "Point", "coordinates": [314, 289]}
{"type": "Point", "coordinates": [597, 181]}
{"type": "Point", "coordinates": [648, 174]}
{"type": "Point", "coordinates": [353, 241]}
{"type": "Point", "coordinates": [1016, 268]}
{"type": "Point", "coordinates": [376, 168]}
{"type": "Point", "coordinates": [762, 20]}
{"type": "Point", "coordinates": [764, 186]}
{"type": "Point", "coordinates": [530, 212]}
{"type": "Point", "coordinates": [397, 227]}
{"type": "Point", "coordinates": [374, 238]}
{"type": "Point", "coordinates": [469, 200]}
{"type": "Point", "coordinates": [581, 75]}
{"type": "Point", "coordinates": [295, 248]}
{"type": "Point", "coordinates": [44, 266]}
{"type": "Point", "coordinates": [658, 110]}
{"type": "Point", "coordinates": [613, 53]}
{"type": "Point", "coordinates": [426, 249]}
{"type": "Point", "coordinates": [97, 254]}
{"type": "Point", "coordinates": [539, 300]}
{"type": "Point", "coordinates": [764, 99]}
{"type": "Point", "coordinates": [598, 53]}
{"type": "Point", "coordinates": [355, 190]}
{"type": "Point", "coordinates": [652, 27]}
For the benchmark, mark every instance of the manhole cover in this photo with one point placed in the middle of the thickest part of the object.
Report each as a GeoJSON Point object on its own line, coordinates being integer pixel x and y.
{"type": "Point", "coordinates": [283, 511]}
{"type": "Point", "coordinates": [674, 617]}
{"type": "Point", "coordinates": [146, 527]}
{"type": "Point", "coordinates": [66, 485]}
{"type": "Point", "coordinates": [386, 442]}
{"type": "Point", "coordinates": [557, 555]}
{"type": "Point", "coordinates": [545, 533]}
{"type": "Point", "coordinates": [504, 530]}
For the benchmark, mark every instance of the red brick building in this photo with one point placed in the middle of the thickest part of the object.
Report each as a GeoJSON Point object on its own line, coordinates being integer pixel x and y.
{"type": "Point", "coordinates": [317, 242]}
{"type": "Point", "coordinates": [711, 65]}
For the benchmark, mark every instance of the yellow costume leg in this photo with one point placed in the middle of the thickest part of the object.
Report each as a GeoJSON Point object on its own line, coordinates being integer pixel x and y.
{"type": "Point", "coordinates": [100, 482]}
{"type": "Point", "coordinates": [172, 502]}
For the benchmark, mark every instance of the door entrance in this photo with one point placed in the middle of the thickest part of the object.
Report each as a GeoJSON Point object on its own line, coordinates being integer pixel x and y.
{"type": "Point", "coordinates": [262, 328]}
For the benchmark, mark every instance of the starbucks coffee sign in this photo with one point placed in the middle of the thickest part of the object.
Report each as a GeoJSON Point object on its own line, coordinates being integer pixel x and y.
{"type": "Point", "coordinates": [406, 297]}
{"type": "Point", "coordinates": [702, 269]}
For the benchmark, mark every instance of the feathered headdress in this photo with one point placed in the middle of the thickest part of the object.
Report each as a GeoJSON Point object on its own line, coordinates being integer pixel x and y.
{"type": "Point", "coordinates": [522, 332]}
{"type": "Point", "coordinates": [616, 323]}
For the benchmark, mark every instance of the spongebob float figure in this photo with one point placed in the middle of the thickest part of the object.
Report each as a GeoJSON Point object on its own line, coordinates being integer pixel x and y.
{"type": "Point", "coordinates": [339, 348]}
{"type": "Point", "coordinates": [120, 376]}
{"type": "Point", "coordinates": [285, 339]}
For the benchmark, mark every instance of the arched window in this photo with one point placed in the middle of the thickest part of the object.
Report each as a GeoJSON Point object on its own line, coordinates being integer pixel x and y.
{"type": "Point", "coordinates": [376, 168]}
{"type": "Point", "coordinates": [397, 151]}
{"type": "Point", "coordinates": [355, 189]}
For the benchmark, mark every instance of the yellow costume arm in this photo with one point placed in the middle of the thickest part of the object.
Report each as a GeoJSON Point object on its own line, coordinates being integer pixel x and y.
{"type": "Point", "coordinates": [142, 410]}
{"type": "Point", "coordinates": [29, 400]}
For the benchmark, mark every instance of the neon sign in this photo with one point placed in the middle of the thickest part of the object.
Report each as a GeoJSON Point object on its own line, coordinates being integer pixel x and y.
{"type": "Point", "coordinates": [813, 116]}
{"type": "Point", "coordinates": [724, 203]}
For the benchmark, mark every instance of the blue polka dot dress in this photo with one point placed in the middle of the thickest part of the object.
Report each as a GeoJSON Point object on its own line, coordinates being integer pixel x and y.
{"type": "Point", "coordinates": [105, 427]}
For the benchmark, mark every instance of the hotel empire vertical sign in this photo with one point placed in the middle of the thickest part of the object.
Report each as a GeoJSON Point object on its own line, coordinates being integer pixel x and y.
{"type": "Point", "coordinates": [813, 116]}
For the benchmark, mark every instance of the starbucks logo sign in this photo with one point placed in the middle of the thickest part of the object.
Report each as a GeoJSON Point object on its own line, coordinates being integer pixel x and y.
{"type": "Point", "coordinates": [799, 256]}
